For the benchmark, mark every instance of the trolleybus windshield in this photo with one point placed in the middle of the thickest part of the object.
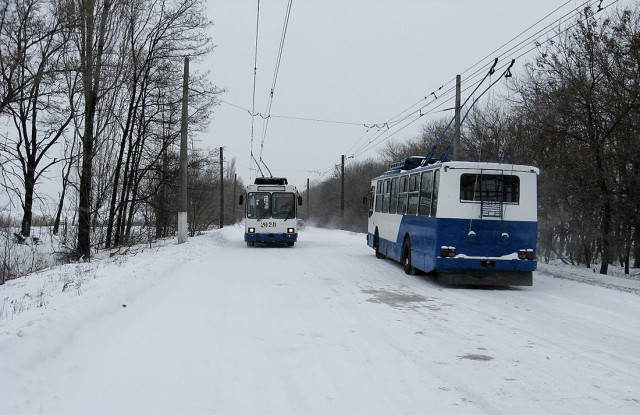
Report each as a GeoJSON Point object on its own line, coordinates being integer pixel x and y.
{"type": "Point", "coordinates": [264, 205]}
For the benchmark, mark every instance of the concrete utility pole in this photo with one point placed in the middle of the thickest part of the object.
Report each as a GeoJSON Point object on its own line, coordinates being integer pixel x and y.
{"type": "Point", "coordinates": [183, 226]}
{"type": "Point", "coordinates": [233, 202]}
{"type": "Point", "coordinates": [342, 196]}
{"type": "Point", "coordinates": [308, 205]}
{"type": "Point", "coordinates": [455, 149]}
{"type": "Point", "coordinates": [221, 188]}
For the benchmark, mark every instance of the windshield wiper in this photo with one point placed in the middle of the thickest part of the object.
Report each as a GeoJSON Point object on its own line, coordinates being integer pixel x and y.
{"type": "Point", "coordinates": [289, 213]}
{"type": "Point", "coordinates": [264, 214]}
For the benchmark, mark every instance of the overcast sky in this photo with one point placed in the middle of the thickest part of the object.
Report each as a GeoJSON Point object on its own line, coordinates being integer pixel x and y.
{"type": "Point", "coordinates": [356, 62]}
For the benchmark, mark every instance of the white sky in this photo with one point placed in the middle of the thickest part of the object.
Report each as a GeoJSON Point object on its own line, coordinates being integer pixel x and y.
{"type": "Point", "coordinates": [356, 61]}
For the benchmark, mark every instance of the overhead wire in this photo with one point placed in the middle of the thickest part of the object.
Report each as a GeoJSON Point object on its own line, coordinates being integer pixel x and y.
{"type": "Point", "coordinates": [253, 99]}
{"type": "Point", "coordinates": [381, 132]}
{"type": "Point", "coordinates": [265, 122]}
{"type": "Point", "coordinates": [412, 117]}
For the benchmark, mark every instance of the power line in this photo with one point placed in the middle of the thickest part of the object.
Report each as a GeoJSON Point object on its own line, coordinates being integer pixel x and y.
{"type": "Point", "coordinates": [265, 122]}
{"type": "Point", "coordinates": [253, 100]}
{"type": "Point", "coordinates": [412, 117]}
{"type": "Point", "coordinates": [263, 116]}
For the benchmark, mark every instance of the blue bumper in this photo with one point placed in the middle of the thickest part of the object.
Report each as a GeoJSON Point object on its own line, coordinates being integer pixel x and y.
{"type": "Point", "coordinates": [271, 237]}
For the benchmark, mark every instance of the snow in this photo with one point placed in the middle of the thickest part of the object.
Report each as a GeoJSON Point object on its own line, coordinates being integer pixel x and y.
{"type": "Point", "coordinates": [215, 327]}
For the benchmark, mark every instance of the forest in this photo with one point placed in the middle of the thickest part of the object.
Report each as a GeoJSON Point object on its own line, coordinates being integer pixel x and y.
{"type": "Point", "coordinates": [90, 102]}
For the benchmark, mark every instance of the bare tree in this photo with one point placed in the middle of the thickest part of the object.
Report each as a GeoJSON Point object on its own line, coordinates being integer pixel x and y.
{"type": "Point", "coordinates": [580, 98]}
{"type": "Point", "coordinates": [95, 25]}
{"type": "Point", "coordinates": [39, 112]}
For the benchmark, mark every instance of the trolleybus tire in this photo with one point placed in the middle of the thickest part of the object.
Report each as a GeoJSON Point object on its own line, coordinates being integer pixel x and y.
{"type": "Point", "coordinates": [290, 243]}
{"type": "Point", "coordinates": [376, 246]}
{"type": "Point", "coordinates": [409, 269]}
{"type": "Point", "coordinates": [250, 243]}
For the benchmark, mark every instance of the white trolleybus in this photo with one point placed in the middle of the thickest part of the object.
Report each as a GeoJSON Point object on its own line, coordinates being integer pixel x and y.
{"type": "Point", "coordinates": [466, 222]}
{"type": "Point", "coordinates": [271, 211]}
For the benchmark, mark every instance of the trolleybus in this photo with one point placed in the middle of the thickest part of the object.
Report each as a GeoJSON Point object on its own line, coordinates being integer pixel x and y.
{"type": "Point", "coordinates": [466, 222]}
{"type": "Point", "coordinates": [271, 211]}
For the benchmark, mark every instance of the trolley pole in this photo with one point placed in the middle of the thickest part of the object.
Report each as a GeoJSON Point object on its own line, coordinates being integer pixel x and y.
{"type": "Point", "coordinates": [342, 196]}
{"type": "Point", "coordinates": [221, 188]}
{"type": "Point", "coordinates": [455, 149]}
{"type": "Point", "coordinates": [183, 226]}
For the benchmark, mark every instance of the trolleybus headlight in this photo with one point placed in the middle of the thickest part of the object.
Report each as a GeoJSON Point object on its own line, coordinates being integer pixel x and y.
{"type": "Point", "coordinates": [447, 251]}
{"type": "Point", "coordinates": [252, 230]}
{"type": "Point", "coordinates": [290, 230]}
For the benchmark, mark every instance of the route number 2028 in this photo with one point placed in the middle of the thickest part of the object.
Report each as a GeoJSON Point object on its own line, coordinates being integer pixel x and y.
{"type": "Point", "coordinates": [268, 225]}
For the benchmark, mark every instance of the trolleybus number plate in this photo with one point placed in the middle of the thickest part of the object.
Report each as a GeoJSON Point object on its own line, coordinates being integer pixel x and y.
{"type": "Point", "coordinates": [268, 225]}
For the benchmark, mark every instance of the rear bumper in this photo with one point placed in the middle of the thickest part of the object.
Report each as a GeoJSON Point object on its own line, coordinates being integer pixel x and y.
{"type": "Point", "coordinates": [486, 271]}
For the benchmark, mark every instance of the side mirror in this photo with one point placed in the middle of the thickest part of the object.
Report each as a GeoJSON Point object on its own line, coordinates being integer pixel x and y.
{"type": "Point", "coordinates": [299, 200]}
{"type": "Point", "coordinates": [365, 200]}
{"type": "Point", "coordinates": [241, 201]}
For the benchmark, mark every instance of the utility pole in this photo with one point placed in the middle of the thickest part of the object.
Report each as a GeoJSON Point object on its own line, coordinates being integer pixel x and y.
{"type": "Point", "coordinates": [308, 205]}
{"type": "Point", "coordinates": [455, 149]}
{"type": "Point", "coordinates": [342, 195]}
{"type": "Point", "coordinates": [221, 188]}
{"type": "Point", "coordinates": [233, 202]}
{"type": "Point", "coordinates": [183, 226]}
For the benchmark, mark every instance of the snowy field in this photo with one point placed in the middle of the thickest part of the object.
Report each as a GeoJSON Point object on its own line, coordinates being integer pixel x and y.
{"type": "Point", "coordinates": [215, 327]}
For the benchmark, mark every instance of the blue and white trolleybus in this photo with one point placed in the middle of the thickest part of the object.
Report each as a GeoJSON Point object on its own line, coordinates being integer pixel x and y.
{"type": "Point", "coordinates": [271, 211]}
{"type": "Point", "coordinates": [466, 222]}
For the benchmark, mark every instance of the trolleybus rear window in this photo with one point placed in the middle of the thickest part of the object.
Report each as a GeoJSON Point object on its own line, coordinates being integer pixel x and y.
{"type": "Point", "coordinates": [489, 187]}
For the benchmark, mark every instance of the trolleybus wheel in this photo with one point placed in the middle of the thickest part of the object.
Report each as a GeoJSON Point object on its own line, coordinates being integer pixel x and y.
{"type": "Point", "coordinates": [406, 257]}
{"type": "Point", "coordinates": [290, 243]}
{"type": "Point", "coordinates": [250, 243]}
{"type": "Point", "coordinates": [376, 246]}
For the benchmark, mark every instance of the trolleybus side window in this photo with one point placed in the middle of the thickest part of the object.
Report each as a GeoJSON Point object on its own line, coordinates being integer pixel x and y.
{"type": "Point", "coordinates": [414, 186]}
{"type": "Point", "coordinates": [426, 192]}
{"type": "Point", "coordinates": [393, 204]}
{"type": "Point", "coordinates": [379, 196]}
{"type": "Point", "coordinates": [402, 197]}
{"type": "Point", "coordinates": [387, 191]}
{"type": "Point", "coordinates": [489, 187]}
{"type": "Point", "coordinates": [434, 198]}
{"type": "Point", "coordinates": [372, 194]}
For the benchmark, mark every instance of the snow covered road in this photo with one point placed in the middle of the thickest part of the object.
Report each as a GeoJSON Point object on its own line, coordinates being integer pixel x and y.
{"type": "Point", "coordinates": [215, 327]}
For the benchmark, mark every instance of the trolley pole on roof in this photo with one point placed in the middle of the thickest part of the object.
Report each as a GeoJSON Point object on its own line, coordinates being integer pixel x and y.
{"type": "Point", "coordinates": [342, 196]}
{"type": "Point", "coordinates": [182, 193]}
{"type": "Point", "coordinates": [455, 149]}
{"type": "Point", "coordinates": [221, 188]}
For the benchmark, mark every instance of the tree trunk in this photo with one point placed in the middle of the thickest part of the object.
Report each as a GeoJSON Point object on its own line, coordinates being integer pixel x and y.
{"type": "Point", "coordinates": [91, 74]}
{"type": "Point", "coordinates": [27, 216]}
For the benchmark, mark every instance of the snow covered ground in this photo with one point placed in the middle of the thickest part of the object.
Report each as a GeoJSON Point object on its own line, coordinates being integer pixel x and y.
{"type": "Point", "coordinates": [215, 327]}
